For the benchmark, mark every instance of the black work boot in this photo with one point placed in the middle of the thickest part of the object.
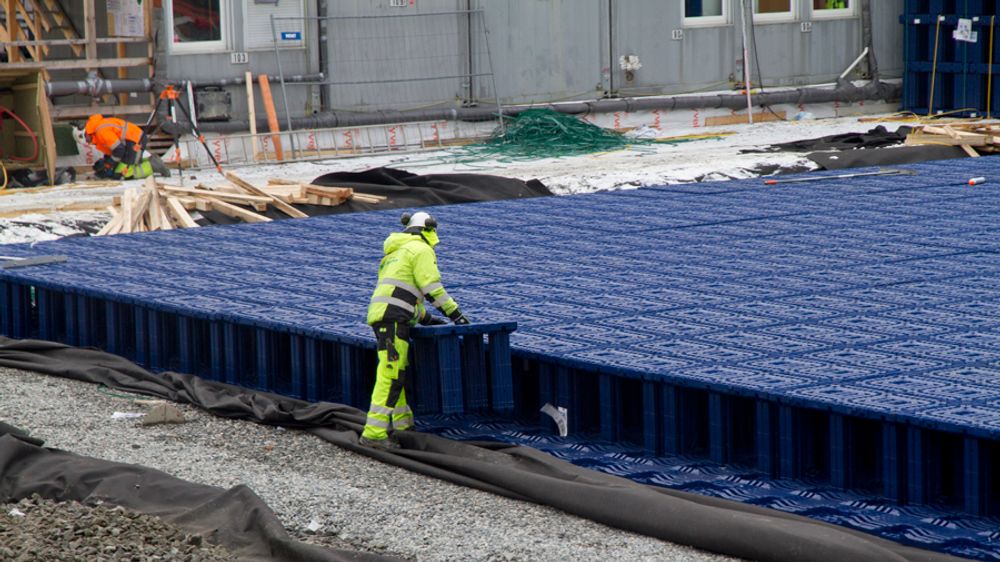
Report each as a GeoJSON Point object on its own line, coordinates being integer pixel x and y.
{"type": "Point", "coordinates": [159, 167]}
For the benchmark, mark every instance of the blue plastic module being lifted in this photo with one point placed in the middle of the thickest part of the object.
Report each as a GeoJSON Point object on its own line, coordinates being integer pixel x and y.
{"type": "Point", "coordinates": [844, 330]}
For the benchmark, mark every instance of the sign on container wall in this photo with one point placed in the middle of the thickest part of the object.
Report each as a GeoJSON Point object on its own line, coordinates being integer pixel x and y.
{"type": "Point", "coordinates": [126, 18]}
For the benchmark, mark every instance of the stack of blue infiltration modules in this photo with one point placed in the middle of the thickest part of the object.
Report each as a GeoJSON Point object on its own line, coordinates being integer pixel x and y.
{"type": "Point", "coordinates": [843, 330]}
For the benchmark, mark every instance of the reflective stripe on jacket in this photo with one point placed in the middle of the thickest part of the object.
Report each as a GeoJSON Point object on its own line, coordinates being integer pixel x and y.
{"type": "Point", "coordinates": [118, 138]}
{"type": "Point", "coordinates": [407, 275]}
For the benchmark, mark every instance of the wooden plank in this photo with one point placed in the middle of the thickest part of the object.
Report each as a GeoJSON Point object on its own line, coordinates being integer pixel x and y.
{"type": "Point", "coordinates": [33, 27]}
{"type": "Point", "coordinates": [970, 151]}
{"type": "Point", "coordinates": [128, 203]}
{"type": "Point", "coordinates": [66, 42]}
{"type": "Point", "coordinates": [90, 29]}
{"type": "Point", "coordinates": [13, 28]}
{"type": "Point", "coordinates": [122, 71]}
{"type": "Point", "coordinates": [116, 219]}
{"type": "Point", "coordinates": [237, 212]}
{"type": "Point", "coordinates": [272, 115]}
{"type": "Point", "coordinates": [281, 181]}
{"type": "Point", "coordinates": [45, 124]}
{"type": "Point", "coordinates": [252, 110]}
{"type": "Point", "coordinates": [77, 64]}
{"type": "Point", "coordinates": [43, 18]}
{"type": "Point", "coordinates": [363, 199]}
{"type": "Point", "coordinates": [165, 222]}
{"type": "Point", "coordinates": [154, 212]}
{"type": "Point", "coordinates": [371, 196]}
{"type": "Point", "coordinates": [738, 118]}
{"type": "Point", "coordinates": [180, 214]}
{"type": "Point", "coordinates": [253, 190]}
{"type": "Point", "coordinates": [342, 193]}
{"type": "Point", "coordinates": [139, 210]}
{"type": "Point", "coordinates": [913, 140]}
{"type": "Point", "coordinates": [234, 197]}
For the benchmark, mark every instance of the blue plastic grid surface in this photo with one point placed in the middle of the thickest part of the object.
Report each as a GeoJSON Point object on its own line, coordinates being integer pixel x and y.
{"type": "Point", "coordinates": [846, 284]}
{"type": "Point", "coordinates": [929, 527]}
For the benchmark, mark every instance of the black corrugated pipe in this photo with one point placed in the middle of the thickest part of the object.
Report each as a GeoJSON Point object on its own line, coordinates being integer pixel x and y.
{"type": "Point", "coordinates": [844, 92]}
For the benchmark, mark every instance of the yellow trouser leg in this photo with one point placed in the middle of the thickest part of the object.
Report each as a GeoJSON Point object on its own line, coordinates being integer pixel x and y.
{"type": "Point", "coordinates": [388, 397]}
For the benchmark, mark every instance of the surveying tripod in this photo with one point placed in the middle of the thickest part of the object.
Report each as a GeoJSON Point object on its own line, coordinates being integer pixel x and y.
{"type": "Point", "coordinates": [172, 97]}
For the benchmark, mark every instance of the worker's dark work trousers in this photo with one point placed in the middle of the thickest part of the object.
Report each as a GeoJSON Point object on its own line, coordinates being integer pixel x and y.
{"type": "Point", "coordinates": [388, 406]}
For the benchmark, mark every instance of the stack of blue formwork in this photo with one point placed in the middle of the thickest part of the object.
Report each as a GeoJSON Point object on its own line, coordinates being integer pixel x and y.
{"type": "Point", "coordinates": [944, 74]}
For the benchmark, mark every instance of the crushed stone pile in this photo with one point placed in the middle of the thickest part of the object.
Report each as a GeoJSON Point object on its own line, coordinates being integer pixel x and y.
{"type": "Point", "coordinates": [39, 529]}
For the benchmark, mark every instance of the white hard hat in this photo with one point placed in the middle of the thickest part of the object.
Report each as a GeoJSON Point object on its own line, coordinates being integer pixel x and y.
{"type": "Point", "coordinates": [419, 220]}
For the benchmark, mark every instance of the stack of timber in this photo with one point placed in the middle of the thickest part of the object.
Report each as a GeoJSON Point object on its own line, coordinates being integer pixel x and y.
{"type": "Point", "coordinates": [157, 206]}
{"type": "Point", "coordinates": [973, 138]}
{"type": "Point", "coordinates": [306, 193]}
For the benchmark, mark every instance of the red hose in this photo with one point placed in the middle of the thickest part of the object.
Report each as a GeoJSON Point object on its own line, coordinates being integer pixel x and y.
{"type": "Point", "coordinates": [34, 135]}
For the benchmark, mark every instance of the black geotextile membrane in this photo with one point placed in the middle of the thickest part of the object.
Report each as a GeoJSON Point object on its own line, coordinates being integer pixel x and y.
{"type": "Point", "coordinates": [405, 190]}
{"type": "Point", "coordinates": [875, 138]}
{"type": "Point", "coordinates": [712, 524]}
{"type": "Point", "coordinates": [884, 156]}
{"type": "Point", "coordinates": [235, 518]}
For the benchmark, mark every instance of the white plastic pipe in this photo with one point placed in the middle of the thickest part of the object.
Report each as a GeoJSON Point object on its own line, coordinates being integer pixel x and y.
{"type": "Point", "coordinates": [746, 62]}
{"type": "Point", "coordinates": [857, 61]}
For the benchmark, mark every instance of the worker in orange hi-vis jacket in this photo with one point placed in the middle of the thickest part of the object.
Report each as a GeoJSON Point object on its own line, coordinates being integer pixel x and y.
{"type": "Point", "coordinates": [123, 145]}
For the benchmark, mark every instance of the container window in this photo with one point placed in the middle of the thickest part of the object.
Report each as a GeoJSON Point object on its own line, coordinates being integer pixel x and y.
{"type": "Point", "coordinates": [705, 12]}
{"type": "Point", "coordinates": [196, 25]}
{"type": "Point", "coordinates": [773, 10]}
{"type": "Point", "coordinates": [833, 8]}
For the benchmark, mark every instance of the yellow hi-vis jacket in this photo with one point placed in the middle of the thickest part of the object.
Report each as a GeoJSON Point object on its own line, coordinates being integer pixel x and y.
{"type": "Point", "coordinates": [407, 275]}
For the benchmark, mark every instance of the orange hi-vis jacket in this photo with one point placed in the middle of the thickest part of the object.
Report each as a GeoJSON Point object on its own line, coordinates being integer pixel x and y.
{"type": "Point", "coordinates": [115, 137]}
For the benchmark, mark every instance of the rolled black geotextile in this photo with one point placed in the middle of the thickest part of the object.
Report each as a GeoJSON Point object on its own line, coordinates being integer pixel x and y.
{"type": "Point", "coordinates": [519, 472]}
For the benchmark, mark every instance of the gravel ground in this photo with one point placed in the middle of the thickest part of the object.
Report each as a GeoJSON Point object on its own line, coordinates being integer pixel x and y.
{"type": "Point", "coordinates": [356, 502]}
{"type": "Point", "coordinates": [37, 529]}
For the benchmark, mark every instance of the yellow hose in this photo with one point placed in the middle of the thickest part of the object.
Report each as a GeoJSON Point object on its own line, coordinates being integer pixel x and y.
{"type": "Point", "coordinates": [937, 35]}
{"type": "Point", "coordinates": [989, 81]}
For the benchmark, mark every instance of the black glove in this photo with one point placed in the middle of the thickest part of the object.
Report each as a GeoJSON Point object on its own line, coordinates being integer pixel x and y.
{"type": "Point", "coordinates": [431, 320]}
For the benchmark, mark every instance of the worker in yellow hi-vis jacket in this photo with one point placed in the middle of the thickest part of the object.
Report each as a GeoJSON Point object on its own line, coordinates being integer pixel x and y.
{"type": "Point", "coordinates": [407, 275]}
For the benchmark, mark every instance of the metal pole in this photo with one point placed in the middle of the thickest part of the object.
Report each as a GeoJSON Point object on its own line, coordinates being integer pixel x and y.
{"type": "Point", "coordinates": [746, 61]}
{"type": "Point", "coordinates": [493, 76]}
{"type": "Point", "coordinates": [281, 74]}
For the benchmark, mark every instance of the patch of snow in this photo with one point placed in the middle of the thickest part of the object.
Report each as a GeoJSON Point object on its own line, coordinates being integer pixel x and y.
{"type": "Point", "coordinates": [710, 159]}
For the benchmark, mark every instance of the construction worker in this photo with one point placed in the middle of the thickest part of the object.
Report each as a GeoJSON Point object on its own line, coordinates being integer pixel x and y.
{"type": "Point", "coordinates": [836, 4]}
{"type": "Point", "coordinates": [123, 145]}
{"type": "Point", "coordinates": [407, 275]}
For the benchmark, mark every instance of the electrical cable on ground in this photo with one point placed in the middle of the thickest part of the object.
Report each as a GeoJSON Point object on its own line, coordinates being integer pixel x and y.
{"type": "Point", "coordinates": [106, 390]}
